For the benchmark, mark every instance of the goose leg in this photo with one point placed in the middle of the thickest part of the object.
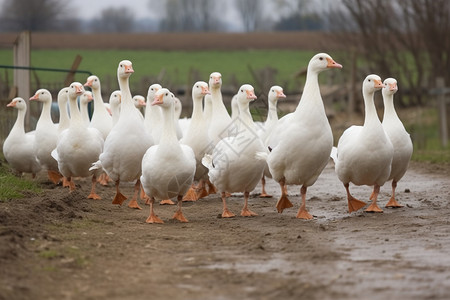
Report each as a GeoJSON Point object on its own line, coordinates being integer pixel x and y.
{"type": "Point", "coordinates": [211, 188]}
{"type": "Point", "coordinates": [152, 218]}
{"type": "Point", "coordinates": [191, 195]}
{"type": "Point", "coordinates": [283, 202]}
{"type": "Point", "coordinates": [263, 189]}
{"type": "Point", "coordinates": [245, 211]}
{"type": "Point", "coordinates": [201, 189]}
{"type": "Point", "coordinates": [71, 184]}
{"type": "Point", "coordinates": [119, 197]}
{"type": "Point", "coordinates": [133, 202]}
{"type": "Point", "coordinates": [93, 194]}
{"type": "Point", "coordinates": [54, 176]}
{"type": "Point", "coordinates": [226, 213]}
{"type": "Point", "coordinates": [353, 203]}
{"type": "Point", "coordinates": [373, 207]}
{"type": "Point", "coordinates": [392, 202]}
{"type": "Point", "coordinates": [179, 214]}
{"type": "Point", "coordinates": [302, 212]}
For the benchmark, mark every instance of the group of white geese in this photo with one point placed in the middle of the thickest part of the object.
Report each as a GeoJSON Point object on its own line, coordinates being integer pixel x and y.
{"type": "Point", "coordinates": [228, 154]}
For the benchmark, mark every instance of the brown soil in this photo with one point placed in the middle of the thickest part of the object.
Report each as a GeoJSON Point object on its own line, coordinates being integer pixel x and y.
{"type": "Point", "coordinates": [62, 246]}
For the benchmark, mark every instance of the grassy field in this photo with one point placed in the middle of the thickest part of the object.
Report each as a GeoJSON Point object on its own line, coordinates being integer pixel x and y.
{"type": "Point", "coordinates": [177, 65]}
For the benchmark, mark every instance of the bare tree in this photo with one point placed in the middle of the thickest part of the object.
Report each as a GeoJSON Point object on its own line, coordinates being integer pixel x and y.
{"type": "Point", "coordinates": [251, 13]}
{"type": "Point", "coordinates": [406, 39]}
{"type": "Point", "coordinates": [190, 15]}
{"type": "Point", "coordinates": [35, 15]}
{"type": "Point", "coordinates": [114, 20]}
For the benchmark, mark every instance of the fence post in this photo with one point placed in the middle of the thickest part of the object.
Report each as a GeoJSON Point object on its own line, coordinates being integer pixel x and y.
{"type": "Point", "coordinates": [442, 108]}
{"type": "Point", "coordinates": [22, 77]}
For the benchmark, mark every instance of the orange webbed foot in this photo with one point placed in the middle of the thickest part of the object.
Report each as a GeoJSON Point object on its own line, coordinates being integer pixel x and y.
{"type": "Point", "coordinates": [180, 217]}
{"type": "Point", "coordinates": [392, 203]}
{"type": "Point", "coordinates": [94, 196]}
{"type": "Point", "coordinates": [133, 204]}
{"type": "Point", "coordinates": [355, 204]}
{"type": "Point", "coordinates": [191, 195]}
{"type": "Point", "coordinates": [303, 214]}
{"type": "Point", "coordinates": [264, 195]}
{"type": "Point", "coordinates": [54, 176]}
{"type": "Point", "coordinates": [283, 203]}
{"type": "Point", "coordinates": [201, 193]}
{"type": "Point", "coordinates": [373, 208]}
{"type": "Point", "coordinates": [166, 202]}
{"type": "Point", "coordinates": [227, 214]}
{"type": "Point", "coordinates": [119, 198]}
{"type": "Point", "coordinates": [154, 219]}
{"type": "Point", "coordinates": [248, 213]}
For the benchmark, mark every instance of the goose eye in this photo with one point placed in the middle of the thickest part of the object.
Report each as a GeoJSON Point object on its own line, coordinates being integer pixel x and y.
{"type": "Point", "coordinates": [167, 94]}
{"type": "Point", "coordinates": [321, 58]}
{"type": "Point", "coordinates": [242, 91]}
{"type": "Point", "coordinates": [369, 80]}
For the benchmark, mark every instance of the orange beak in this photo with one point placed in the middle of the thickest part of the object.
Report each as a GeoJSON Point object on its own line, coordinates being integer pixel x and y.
{"type": "Point", "coordinates": [90, 98]}
{"type": "Point", "coordinates": [393, 86]}
{"type": "Point", "coordinates": [251, 95]}
{"type": "Point", "coordinates": [280, 94]}
{"type": "Point", "coordinates": [88, 83]}
{"type": "Point", "coordinates": [205, 91]}
{"type": "Point", "coordinates": [333, 64]}
{"type": "Point", "coordinates": [12, 104]}
{"type": "Point", "coordinates": [216, 79]}
{"type": "Point", "coordinates": [158, 100]}
{"type": "Point", "coordinates": [79, 90]}
{"type": "Point", "coordinates": [35, 97]}
{"type": "Point", "coordinates": [129, 69]}
{"type": "Point", "coordinates": [142, 103]}
{"type": "Point", "coordinates": [378, 83]}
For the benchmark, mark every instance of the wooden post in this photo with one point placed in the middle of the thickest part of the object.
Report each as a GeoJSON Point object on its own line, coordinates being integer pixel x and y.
{"type": "Point", "coordinates": [442, 108]}
{"type": "Point", "coordinates": [21, 51]}
{"type": "Point", "coordinates": [352, 85]}
{"type": "Point", "coordinates": [71, 75]}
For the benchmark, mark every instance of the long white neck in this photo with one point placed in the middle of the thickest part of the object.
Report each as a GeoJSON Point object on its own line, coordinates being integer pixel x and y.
{"type": "Point", "coordinates": [389, 109]}
{"type": "Point", "coordinates": [64, 120]}
{"type": "Point", "coordinates": [84, 113]}
{"type": "Point", "coordinates": [245, 118]}
{"type": "Point", "coordinates": [127, 104]}
{"type": "Point", "coordinates": [311, 93]}
{"type": "Point", "coordinates": [18, 127]}
{"type": "Point", "coordinates": [272, 115]}
{"type": "Point", "coordinates": [197, 110]}
{"type": "Point", "coordinates": [371, 116]}
{"type": "Point", "coordinates": [169, 134]}
{"type": "Point", "coordinates": [75, 114]}
{"type": "Point", "coordinates": [46, 116]}
{"type": "Point", "coordinates": [99, 106]}
{"type": "Point", "coordinates": [217, 102]}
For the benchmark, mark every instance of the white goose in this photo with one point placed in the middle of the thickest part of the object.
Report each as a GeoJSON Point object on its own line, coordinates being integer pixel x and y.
{"type": "Point", "coordinates": [399, 137]}
{"type": "Point", "coordinates": [275, 93]}
{"type": "Point", "coordinates": [364, 153]}
{"type": "Point", "coordinates": [64, 120]}
{"type": "Point", "coordinates": [220, 126]}
{"type": "Point", "coordinates": [233, 165]}
{"type": "Point", "coordinates": [114, 106]}
{"type": "Point", "coordinates": [167, 168]}
{"type": "Point", "coordinates": [78, 146]}
{"type": "Point", "coordinates": [127, 142]}
{"type": "Point", "coordinates": [176, 117]}
{"type": "Point", "coordinates": [153, 118]}
{"type": "Point", "coordinates": [18, 146]}
{"type": "Point", "coordinates": [46, 136]}
{"type": "Point", "coordinates": [85, 98]}
{"type": "Point", "coordinates": [101, 119]}
{"type": "Point", "coordinates": [197, 138]}
{"type": "Point", "coordinates": [301, 142]}
{"type": "Point", "coordinates": [139, 103]}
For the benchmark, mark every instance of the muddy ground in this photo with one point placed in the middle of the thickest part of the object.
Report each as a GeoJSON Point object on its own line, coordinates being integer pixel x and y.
{"type": "Point", "coordinates": [62, 246]}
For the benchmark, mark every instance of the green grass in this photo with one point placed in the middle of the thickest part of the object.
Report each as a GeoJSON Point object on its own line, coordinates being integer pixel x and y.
{"type": "Point", "coordinates": [177, 65]}
{"type": "Point", "coordinates": [12, 186]}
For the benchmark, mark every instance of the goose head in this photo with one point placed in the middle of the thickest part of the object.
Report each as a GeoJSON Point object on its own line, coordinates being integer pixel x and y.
{"type": "Point", "coordinates": [115, 98]}
{"type": "Point", "coordinates": [215, 80]}
{"type": "Point", "coordinates": [93, 82]}
{"type": "Point", "coordinates": [152, 91]}
{"type": "Point", "coordinates": [321, 62]}
{"type": "Point", "coordinates": [42, 95]}
{"type": "Point", "coordinates": [76, 89]}
{"type": "Point", "coordinates": [125, 69]}
{"type": "Point", "coordinates": [200, 89]}
{"type": "Point", "coordinates": [275, 93]}
{"type": "Point", "coordinates": [86, 97]}
{"type": "Point", "coordinates": [372, 83]}
{"type": "Point", "coordinates": [139, 101]}
{"type": "Point", "coordinates": [246, 94]}
{"type": "Point", "coordinates": [390, 86]}
{"type": "Point", "coordinates": [62, 94]}
{"type": "Point", "coordinates": [164, 98]}
{"type": "Point", "coordinates": [17, 103]}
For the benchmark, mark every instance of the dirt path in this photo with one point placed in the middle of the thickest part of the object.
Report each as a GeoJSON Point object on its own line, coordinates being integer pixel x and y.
{"type": "Point", "coordinates": [62, 246]}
